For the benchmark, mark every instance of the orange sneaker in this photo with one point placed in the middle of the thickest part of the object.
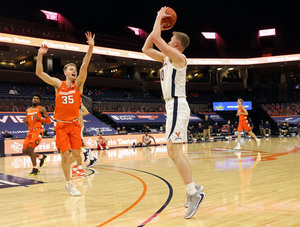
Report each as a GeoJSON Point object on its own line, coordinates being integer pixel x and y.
{"type": "Point", "coordinates": [81, 172]}
{"type": "Point", "coordinates": [75, 173]}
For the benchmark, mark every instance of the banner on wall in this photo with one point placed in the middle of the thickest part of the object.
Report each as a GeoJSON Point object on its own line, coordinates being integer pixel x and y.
{"type": "Point", "coordinates": [145, 118]}
{"type": "Point", "coordinates": [13, 123]}
{"type": "Point", "coordinates": [230, 106]}
{"type": "Point", "coordinates": [15, 146]}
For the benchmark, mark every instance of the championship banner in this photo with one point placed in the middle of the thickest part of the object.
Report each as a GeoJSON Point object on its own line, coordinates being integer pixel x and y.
{"type": "Point", "coordinates": [13, 123]}
{"type": "Point", "coordinates": [145, 118]}
{"type": "Point", "coordinates": [15, 146]}
{"type": "Point", "coordinates": [294, 119]}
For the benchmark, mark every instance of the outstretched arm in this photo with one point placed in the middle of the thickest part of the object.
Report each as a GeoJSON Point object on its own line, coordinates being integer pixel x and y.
{"type": "Point", "coordinates": [39, 71]}
{"type": "Point", "coordinates": [86, 61]}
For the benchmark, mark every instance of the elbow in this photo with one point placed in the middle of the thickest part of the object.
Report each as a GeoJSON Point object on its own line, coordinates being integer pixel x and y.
{"type": "Point", "coordinates": [38, 73]}
{"type": "Point", "coordinates": [154, 37]}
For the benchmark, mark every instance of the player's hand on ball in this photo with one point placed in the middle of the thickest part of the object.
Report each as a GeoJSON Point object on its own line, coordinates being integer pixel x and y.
{"type": "Point", "coordinates": [90, 38]}
{"type": "Point", "coordinates": [43, 49]}
{"type": "Point", "coordinates": [162, 12]}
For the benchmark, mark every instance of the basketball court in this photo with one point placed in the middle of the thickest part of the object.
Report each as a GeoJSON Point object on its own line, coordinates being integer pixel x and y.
{"type": "Point", "coordinates": [256, 186]}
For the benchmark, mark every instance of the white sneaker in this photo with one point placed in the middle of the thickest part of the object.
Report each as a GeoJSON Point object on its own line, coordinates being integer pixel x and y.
{"type": "Point", "coordinates": [72, 189]}
{"type": "Point", "coordinates": [198, 188]}
{"type": "Point", "coordinates": [258, 142]}
{"type": "Point", "coordinates": [194, 203]}
{"type": "Point", "coordinates": [238, 147]}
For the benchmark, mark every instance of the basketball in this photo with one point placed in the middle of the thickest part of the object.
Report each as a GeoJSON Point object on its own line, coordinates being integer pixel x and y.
{"type": "Point", "coordinates": [168, 22]}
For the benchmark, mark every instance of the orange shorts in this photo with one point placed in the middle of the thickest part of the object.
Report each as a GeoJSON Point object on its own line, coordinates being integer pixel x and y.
{"type": "Point", "coordinates": [244, 125]}
{"type": "Point", "coordinates": [33, 138]}
{"type": "Point", "coordinates": [67, 136]}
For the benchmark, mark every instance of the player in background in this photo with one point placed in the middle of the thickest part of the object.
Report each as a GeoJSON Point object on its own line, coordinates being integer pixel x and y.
{"type": "Point", "coordinates": [242, 113]}
{"type": "Point", "coordinates": [146, 140]}
{"type": "Point", "coordinates": [67, 104]}
{"type": "Point", "coordinates": [35, 116]}
{"type": "Point", "coordinates": [173, 83]}
{"type": "Point", "coordinates": [102, 143]}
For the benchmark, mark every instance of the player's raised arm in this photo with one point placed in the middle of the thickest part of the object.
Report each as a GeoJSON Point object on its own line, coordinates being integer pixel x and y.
{"type": "Point", "coordinates": [164, 47]}
{"type": "Point", "coordinates": [150, 51]}
{"type": "Point", "coordinates": [39, 71]}
{"type": "Point", "coordinates": [86, 61]}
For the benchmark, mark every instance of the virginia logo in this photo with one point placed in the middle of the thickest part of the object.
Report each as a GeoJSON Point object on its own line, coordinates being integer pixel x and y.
{"type": "Point", "coordinates": [177, 134]}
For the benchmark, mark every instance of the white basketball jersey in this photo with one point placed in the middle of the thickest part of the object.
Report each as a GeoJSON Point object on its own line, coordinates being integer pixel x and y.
{"type": "Point", "coordinates": [146, 138]}
{"type": "Point", "coordinates": [173, 80]}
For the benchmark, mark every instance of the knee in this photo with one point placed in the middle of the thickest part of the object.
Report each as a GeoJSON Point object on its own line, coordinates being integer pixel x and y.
{"type": "Point", "coordinates": [25, 151]}
{"type": "Point", "coordinates": [65, 156]}
{"type": "Point", "coordinates": [76, 153]}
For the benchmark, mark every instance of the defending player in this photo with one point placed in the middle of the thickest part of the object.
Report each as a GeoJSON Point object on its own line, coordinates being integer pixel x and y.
{"type": "Point", "coordinates": [67, 105]}
{"type": "Point", "coordinates": [242, 113]}
{"type": "Point", "coordinates": [173, 83]}
{"type": "Point", "coordinates": [35, 116]}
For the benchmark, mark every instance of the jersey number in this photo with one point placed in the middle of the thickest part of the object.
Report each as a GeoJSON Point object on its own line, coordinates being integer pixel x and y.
{"type": "Point", "coordinates": [67, 99]}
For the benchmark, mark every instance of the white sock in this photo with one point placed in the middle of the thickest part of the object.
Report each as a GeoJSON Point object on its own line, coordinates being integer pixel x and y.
{"type": "Point", "coordinates": [91, 156]}
{"type": "Point", "coordinates": [190, 188]}
{"type": "Point", "coordinates": [69, 182]}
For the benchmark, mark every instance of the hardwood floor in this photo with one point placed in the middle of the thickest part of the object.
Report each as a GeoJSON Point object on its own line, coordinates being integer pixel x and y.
{"type": "Point", "coordinates": [256, 186]}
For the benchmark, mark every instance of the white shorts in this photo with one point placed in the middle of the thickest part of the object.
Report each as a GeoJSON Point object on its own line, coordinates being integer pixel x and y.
{"type": "Point", "coordinates": [178, 115]}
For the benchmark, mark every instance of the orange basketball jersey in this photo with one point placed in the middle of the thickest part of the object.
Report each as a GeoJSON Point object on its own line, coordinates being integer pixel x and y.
{"type": "Point", "coordinates": [67, 102]}
{"type": "Point", "coordinates": [32, 121]}
{"type": "Point", "coordinates": [242, 117]}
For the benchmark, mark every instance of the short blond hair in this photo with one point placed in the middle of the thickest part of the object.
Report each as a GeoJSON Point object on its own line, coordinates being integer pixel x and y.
{"type": "Point", "coordinates": [69, 64]}
{"type": "Point", "coordinates": [183, 38]}
{"type": "Point", "coordinates": [241, 100]}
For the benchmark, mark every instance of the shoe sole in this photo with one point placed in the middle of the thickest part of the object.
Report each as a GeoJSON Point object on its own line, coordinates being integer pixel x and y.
{"type": "Point", "coordinates": [200, 201]}
{"type": "Point", "coordinates": [93, 163]}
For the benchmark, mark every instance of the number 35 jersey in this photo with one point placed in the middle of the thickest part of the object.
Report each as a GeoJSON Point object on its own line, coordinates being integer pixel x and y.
{"type": "Point", "coordinates": [67, 102]}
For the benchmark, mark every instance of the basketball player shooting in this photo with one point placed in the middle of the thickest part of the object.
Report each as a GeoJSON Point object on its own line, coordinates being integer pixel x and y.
{"type": "Point", "coordinates": [173, 83]}
{"type": "Point", "coordinates": [67, 104]}
{"type": "Point", "coordinates": [242, 113]}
